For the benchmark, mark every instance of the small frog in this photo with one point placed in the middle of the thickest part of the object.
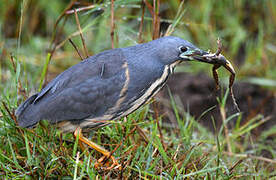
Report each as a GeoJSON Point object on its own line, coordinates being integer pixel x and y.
{"type": "Point", "coordinates": [218, 60]}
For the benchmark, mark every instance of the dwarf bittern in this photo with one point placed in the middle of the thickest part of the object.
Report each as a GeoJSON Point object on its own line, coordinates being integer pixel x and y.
{"type": "Point", "coordinates": [107, 86]}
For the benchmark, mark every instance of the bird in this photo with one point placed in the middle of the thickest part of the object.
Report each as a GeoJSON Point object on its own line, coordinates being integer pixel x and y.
{"type": "Point", "coordinates": [106, 86]}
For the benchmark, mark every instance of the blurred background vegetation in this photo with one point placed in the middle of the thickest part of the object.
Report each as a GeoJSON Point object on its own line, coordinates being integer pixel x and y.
{"type": "Point", "coordinates": [247, 29]}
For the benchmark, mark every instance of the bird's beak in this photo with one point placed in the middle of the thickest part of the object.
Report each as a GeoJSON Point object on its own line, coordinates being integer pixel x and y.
{"type": "Point", "coordinates": [203, 56]}
{"type": "Point", "coordinates": [193, 54]}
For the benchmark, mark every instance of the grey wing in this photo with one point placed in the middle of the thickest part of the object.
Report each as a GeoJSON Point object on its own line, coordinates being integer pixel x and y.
{"type": "Point", "coordinates": [92, 98]}
{"type": "Point", "coordinates": [88, 89]}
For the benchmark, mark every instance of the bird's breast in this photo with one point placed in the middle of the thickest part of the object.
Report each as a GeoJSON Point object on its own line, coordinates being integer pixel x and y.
{"type": "Point", "coordinates": [154, 87]}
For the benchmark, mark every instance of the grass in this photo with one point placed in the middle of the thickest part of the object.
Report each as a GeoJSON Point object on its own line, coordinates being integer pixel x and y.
{"type": "Point", "coordinates": [189, 150]}
{"type": "Point", "coordinates": [150, 148]}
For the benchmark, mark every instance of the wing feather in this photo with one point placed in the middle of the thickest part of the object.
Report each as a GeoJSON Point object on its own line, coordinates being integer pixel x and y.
{"type": "Point", "coordinates": [84, 90]}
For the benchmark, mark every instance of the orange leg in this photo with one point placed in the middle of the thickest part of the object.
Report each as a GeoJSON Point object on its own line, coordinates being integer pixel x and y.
{"type": "Point", "coordinates": [106, 154]}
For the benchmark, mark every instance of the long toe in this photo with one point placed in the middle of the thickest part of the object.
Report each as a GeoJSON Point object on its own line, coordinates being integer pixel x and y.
{"type": "Point", "coordinates": [105, 164]}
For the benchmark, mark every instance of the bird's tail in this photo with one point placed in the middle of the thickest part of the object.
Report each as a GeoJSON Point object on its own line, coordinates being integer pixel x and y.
{"type": "Point", "coordinates": [26, 113]}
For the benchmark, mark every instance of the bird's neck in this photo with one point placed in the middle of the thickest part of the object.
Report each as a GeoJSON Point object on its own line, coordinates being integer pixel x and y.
{"type": "Point", "coordinates": [172, 65]}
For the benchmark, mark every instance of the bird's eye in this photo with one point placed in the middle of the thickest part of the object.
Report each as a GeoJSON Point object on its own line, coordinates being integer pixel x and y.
{"type": "Point", "coordinates": [183, 49]}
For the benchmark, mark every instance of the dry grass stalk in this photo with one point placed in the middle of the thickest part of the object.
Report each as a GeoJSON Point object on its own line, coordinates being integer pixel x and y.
{"type": "Point", "coordinates": [142, 135]}
{"type": "Point", "coordinates": [112, 24]}
{"type": "Point", "coordinates": [226, 130]}
{"type": "Point", "coordinates": [75, 47]}
{"type": "Point", "coordinates": [156, 113]}
{"type": "Point", "coordinates": [142, 22]}
{"type": "Point", "coordinates": [81, 35]}
{"type": "Point", "coordinates": [235, 165]}
{"type": "Point", "coordinates": [156, 19]}
{"type": "Point", "coordinates": [80, 9]}
{"type": "Point", "coordinates": [150, 8]}
{"type": "Point", "coordinates": [12, 116]}
{"type": "Point", "coordinates": [70, 5]}
{"type": "Point", "coordinates": [118, 145]}
{"type": "Point", "coordinates": [251, 157]}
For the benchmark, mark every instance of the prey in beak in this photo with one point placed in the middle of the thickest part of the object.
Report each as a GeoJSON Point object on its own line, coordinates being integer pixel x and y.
{"type": "Point", "coordinates": [211, 58]}
{"type": "Point", "coordinates": [217, 60]}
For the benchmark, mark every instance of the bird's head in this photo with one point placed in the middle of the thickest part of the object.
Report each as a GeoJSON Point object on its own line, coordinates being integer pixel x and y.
{"type": "Point", "coordinates": [171, 49]}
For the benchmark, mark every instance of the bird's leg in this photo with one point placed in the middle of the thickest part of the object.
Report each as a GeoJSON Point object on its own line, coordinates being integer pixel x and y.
{"type": "Point", "coordinates": [83, 147]}
{"type": "Point", "coordinates": [106, 154]}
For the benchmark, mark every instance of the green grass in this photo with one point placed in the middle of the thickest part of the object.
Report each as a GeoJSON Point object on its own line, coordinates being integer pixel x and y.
{"type": "Point", "coordinates": [189, 150]}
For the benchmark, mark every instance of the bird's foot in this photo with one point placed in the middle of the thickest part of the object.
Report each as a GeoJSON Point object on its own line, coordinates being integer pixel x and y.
{"type": "Point", "coordinates": [104, 164]}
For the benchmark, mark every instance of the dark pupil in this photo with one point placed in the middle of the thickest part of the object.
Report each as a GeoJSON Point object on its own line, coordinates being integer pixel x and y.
{"type": "Point", "coordinates": [183, 49]}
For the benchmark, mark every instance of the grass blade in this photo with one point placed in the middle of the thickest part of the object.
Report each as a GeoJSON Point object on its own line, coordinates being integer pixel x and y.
{"type": "Point", "coordinates": [44, 71]}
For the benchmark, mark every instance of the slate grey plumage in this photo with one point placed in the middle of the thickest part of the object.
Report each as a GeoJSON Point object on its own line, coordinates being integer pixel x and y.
{"type": "Point", "coordinates": [106, 86]}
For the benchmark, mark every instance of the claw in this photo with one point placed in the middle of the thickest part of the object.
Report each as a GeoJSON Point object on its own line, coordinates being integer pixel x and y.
{"type": "Point", "coordinates": [102, 162]}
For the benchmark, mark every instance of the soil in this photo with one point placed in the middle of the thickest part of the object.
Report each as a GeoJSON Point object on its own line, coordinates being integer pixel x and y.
{"type": "Point", "coordinates": [196, 93]}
